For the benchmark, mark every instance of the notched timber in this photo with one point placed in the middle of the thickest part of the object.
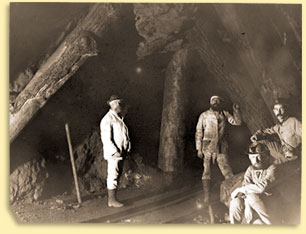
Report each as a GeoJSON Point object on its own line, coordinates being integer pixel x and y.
{"type": "Point", "coordinates": [78, 46]}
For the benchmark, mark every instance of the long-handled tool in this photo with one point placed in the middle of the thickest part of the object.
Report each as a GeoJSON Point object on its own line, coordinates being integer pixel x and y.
{"type": "Point", "coordinates": [73, 164]}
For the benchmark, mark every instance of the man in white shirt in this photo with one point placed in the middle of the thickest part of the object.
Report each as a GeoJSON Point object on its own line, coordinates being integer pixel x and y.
{"type": "Point", "coordinates": [247, 205]}
{"type": "Point", "coordinates": [211, 145]}
{"type": "Point", "coordinates": [116, 145]}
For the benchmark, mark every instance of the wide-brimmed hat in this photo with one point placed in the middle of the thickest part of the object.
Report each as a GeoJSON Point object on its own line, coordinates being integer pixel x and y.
{"type": "Point", "coordinates": [113, 98]}
{"type": "Point", "coordinates": [257, 148]}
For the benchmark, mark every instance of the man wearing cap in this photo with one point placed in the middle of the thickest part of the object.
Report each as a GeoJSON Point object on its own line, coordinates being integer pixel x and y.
{"type": "Point", "coordinates": [210, 142]}
{"type": "Point", "coordinates": [288, 132]}
{"type": "Point", "coordinates": [116, 145]}
{"type": "Point", "coordinates": [247, 205]}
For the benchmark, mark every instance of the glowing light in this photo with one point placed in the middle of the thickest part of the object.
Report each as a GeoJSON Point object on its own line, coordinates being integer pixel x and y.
{"type": "Point", "coordinates": [138, 70]}
{"type": "Point", "coordinates": [199, 204]}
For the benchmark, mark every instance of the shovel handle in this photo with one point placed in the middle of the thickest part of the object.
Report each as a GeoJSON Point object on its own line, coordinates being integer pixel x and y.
{"type": "Point", "coordinates": [73, 164]}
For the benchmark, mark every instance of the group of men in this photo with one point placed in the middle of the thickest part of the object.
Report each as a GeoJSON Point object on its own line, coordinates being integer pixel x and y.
{"type": "Point", "coordinates": [246, 203]}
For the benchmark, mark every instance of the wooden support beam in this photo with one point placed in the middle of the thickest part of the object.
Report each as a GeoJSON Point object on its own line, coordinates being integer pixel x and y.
{"type": "Point", "coordinates": [77, 47]}
{"type": "Point", "coordinates": [171, 147]}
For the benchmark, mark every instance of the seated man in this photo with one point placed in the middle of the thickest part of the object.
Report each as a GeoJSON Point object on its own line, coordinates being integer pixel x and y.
{"type": "Point", "coordinates": [247, 205]}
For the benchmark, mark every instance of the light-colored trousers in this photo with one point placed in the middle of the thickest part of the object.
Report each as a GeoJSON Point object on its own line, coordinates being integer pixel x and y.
{"type": "Point", "coordinates": [223, 163]}
{"type": "Point", "coordinates": [113, 172]}
{"type": "Point", "coordinates": [238, 206]}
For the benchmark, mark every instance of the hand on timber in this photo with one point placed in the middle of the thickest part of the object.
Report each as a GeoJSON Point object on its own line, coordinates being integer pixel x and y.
{"type": "Point", "coordinates": [200, 154]}
{"type": "Point", "coordinates": [257, 136]}
{"type": "Point", "coordinates": [253, 138]}
{"type": "Point", "coordinates": [236, 107]}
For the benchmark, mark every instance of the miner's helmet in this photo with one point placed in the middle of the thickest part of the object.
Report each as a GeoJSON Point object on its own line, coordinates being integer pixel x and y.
{"type": "Point", "coordinates": [113, 98]}
{"type": "Point", "coordinates": [257, 148]}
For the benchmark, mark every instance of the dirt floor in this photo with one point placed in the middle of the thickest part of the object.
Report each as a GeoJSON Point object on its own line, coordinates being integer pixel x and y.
{"type": "Point", "coordinates": [179, 202]}
{"type": "Point", "coordinates": [160, 202]}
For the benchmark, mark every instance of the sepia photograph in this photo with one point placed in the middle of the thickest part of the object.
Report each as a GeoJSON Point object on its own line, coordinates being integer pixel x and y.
{"type": "Point", "coordinates": [155, 113]}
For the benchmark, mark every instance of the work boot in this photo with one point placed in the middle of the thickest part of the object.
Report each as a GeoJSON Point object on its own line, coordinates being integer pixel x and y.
{"type": "Point", "coordinates": [206, 192]}
{"type": "Point", "coordinates": [112, 201]}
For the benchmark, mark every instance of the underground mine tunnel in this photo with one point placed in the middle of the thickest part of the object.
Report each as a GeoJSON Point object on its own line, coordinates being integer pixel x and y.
{"type": "Point", "coordinates": [165, 61]}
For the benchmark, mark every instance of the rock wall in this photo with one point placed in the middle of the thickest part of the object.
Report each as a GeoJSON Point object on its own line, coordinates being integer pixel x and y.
{"type": "Point", "coordinates": [162, 26]}
{"type": "Point", "coordinates": [28, 180]}
{"type": "Point", "coordinates": [90, 164]}
{"type": "Point", "coordinates": [252, 52]}
{"type": "Point", "coordinates": [253, 62]}
{"type": "Point", "coordinates": [92, 168]}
